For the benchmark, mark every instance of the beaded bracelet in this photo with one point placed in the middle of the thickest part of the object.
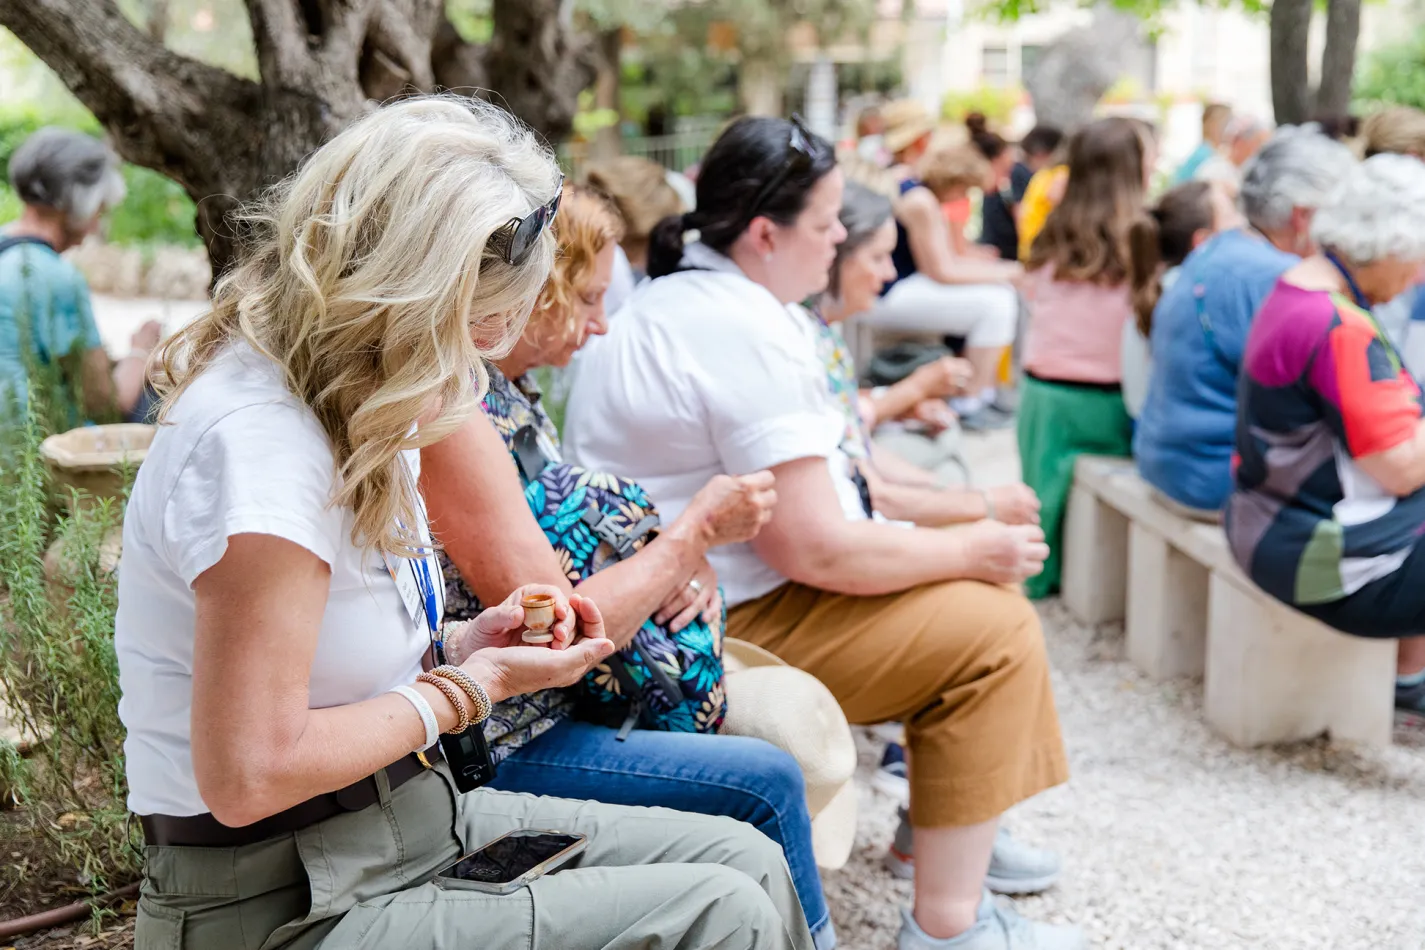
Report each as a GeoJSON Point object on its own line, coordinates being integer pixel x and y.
{"type": "Point", "coordinates": [451, 693]}
{"type": "Point", "coordinates": [473, 689]}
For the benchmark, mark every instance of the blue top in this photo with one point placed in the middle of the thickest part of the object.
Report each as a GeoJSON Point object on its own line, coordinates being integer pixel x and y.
{"type": "Point", "coordinates": [1187, 432]}
{"type": "Point", "coordinates": [901, 256]}
{"type": "Point", "coordinates": [1193, 162]}
{"type": "Point", "coordinates": [44, 315]}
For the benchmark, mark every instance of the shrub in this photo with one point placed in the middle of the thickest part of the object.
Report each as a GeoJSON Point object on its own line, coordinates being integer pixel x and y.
{"type": "Point", "coordinates": [59, 672]}
{"type": "Point", "coordinates": [1393, 75]}
{"type": "Point", "coordinates": [997, 105]}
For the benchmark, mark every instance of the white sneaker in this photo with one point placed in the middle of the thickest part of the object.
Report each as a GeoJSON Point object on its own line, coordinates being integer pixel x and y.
{"type": "Point", "coordinates": [998, 928]}
{"type": "Point", "coordinates": [1015, 867]}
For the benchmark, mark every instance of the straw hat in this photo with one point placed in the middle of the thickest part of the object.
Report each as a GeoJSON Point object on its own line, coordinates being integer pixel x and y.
{"type": "Point", "coordinates": [907, 121]}
{"type": "Point", "coordinates": [790, 708]}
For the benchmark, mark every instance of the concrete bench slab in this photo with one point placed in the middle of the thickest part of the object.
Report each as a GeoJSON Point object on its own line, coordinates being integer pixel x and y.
{"type": "Point", "coordinates": [1271, 674]}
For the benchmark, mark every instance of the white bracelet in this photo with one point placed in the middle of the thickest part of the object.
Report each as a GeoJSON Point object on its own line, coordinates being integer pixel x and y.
{"type": "Point", "coordinates": [427, 713]}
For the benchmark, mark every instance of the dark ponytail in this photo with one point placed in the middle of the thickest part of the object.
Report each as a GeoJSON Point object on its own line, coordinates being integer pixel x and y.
{"type": "Point", "coordinates": [1163, 238]}
{"type": "Point", "coordinates": [1145, 268]}
{"type": "Point", "coordinates": [665, 244]}
{"type": "Point", "coordinates": [748, 155]}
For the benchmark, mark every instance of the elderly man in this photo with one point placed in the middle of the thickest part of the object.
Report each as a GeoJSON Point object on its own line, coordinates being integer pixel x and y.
{"type": "Point", "coordinates": [1185, 435]}
{"type": "Point", "coordinates": [67, 181]}
{"type": "Point", "coordinates": [1245, 137]}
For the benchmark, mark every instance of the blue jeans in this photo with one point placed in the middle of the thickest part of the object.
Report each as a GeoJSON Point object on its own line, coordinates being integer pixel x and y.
{"type": "Point", "coordinates": [746, 779]}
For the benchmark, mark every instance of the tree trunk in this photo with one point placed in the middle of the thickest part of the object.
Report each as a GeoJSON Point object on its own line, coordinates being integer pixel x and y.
{"type": "Point", "coordinates": [323, 63]}
{"type": "Point", "coordinates": [608, 141]}
{"type": "Point", "coordinates": [1290, 27]}
{"type": "Point", "coordinates": [1338, 60]}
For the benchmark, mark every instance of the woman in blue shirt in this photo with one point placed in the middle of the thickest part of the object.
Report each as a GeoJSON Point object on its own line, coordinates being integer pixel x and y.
{"type": "Point", "coordinates": [67, 181]}
{"type": "Point", "coordinates": [1185, 436]}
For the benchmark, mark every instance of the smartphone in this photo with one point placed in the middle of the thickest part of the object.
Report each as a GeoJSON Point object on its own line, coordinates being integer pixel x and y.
{"type": "Point", "coordinates": [511, 861]}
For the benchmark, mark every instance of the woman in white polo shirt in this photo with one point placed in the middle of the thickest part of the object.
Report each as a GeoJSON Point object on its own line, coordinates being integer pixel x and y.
{"type": "Point", "coordinates": [279, 597]}
{"type": "Point", "coordinates": [707, 371]}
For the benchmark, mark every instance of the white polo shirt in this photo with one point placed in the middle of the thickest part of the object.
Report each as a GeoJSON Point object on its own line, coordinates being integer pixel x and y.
{"type": "Point", "coordinates": [705, 373]}
{"type": "Point", "coordinates": [240, 455]}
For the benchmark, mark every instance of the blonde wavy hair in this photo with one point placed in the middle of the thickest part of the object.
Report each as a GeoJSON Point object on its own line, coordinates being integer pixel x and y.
{"type": "Point", "coordinates": [587, 223]}
{"type": "Point", "coordinates": [367, 279]}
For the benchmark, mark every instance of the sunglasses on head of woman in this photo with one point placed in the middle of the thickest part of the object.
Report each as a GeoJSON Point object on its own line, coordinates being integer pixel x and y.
{"type": "Point", "coordinates": [800, 158]}
{"type": "Point", "coordinates": [513, 241]}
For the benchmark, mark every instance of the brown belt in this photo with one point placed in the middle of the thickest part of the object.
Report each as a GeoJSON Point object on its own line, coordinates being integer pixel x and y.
{"type": "Point", "coordinates": [205, 831]}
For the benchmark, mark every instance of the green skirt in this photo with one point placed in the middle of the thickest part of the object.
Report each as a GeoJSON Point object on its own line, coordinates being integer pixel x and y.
{"type": "Point", "coordinates": [1058, 422]}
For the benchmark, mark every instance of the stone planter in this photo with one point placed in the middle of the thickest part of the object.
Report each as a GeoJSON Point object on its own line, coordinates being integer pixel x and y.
{"type": "Point", "coordinates": [93, 459]}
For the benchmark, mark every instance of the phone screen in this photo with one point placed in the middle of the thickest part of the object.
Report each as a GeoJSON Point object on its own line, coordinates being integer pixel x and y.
{"type": "Point", "coordinates": [506, 859]}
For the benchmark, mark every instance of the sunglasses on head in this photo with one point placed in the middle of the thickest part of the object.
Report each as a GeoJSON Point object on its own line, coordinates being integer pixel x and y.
{"type": "Point", "coordinates": [800, 158]}
{"type": "Point", "coordinates": [513, 241]}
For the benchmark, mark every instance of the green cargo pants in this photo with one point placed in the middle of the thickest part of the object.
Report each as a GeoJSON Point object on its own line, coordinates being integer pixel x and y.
{"type": "Point", "coordinates": [650, 877]}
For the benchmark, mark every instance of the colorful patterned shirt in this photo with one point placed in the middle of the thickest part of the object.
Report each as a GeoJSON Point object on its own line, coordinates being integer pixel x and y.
{"type": "Point", "coordinates": [517, 721]}
{"type": "Point", "coordinates": [1321, 387]}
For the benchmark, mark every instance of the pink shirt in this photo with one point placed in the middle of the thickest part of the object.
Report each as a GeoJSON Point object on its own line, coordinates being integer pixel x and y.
{"type": "Point", "coordinates": [1075, 329]}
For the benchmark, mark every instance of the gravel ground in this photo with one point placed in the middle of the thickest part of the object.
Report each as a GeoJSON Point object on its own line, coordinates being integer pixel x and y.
{"type": "Point", "coordinates": [1173, 839]}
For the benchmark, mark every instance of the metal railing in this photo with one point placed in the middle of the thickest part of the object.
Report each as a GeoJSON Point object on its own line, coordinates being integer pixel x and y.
{"type": "Point", "coordinates": [676, 151]}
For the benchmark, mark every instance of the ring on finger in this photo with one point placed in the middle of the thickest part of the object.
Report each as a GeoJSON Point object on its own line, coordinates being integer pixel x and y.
{"type": "Point", "coordinates": [696, 585]}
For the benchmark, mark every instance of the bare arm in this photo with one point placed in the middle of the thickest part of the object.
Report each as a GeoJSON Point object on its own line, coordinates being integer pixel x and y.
{"type": "Point", "coordinates": [257, 747]}
{"type": "Point", "coordinates": [810, 541]}
{"type": "Point", "coordinates": [943, 378]}
{"type": "Point", "coordinates": [478, 510]}
{"type": "Point", "coordinates": [1401, 468]}
{"type": "Point", "coordinates": [893, 468]}
{"type": "Point", "coordinates": [930, 245]}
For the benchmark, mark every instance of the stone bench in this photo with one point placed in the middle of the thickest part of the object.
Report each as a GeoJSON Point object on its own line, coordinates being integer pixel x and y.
{"type": "Point", "coordinates": [1270, 673]}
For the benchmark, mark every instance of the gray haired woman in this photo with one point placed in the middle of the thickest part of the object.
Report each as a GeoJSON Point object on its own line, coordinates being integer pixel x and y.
{"type": "Point", "coordinates": [67, 181]}
{"type": "Point", "coordinates": [1328, 504]}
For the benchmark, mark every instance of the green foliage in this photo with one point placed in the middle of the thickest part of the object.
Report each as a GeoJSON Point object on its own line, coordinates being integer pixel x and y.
{"type": "Point", "coordinates": [156, 210]}
{"type": "Point", "coordinates": [58, 669]}
{"type": "Point", "coordinates": [1393, 75]}
{"type": "Point", "coordinates": [997, 105]}
{"type": "Point", "coordinates": [1149, 11]}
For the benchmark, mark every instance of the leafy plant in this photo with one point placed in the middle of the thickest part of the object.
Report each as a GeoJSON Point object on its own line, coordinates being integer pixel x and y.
{"type": "Point", "coordinates": [58, 668]}
{"type": "Point", "coordinates": [1393, 75]}
{"type": "Point", "coordinates": [997, 105]}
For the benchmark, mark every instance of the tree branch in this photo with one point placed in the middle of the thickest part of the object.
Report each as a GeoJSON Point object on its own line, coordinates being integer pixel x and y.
{"type": "Point", "coordinates": [155, 103]}
{"type": "Point", "coordinates": [283, 58]}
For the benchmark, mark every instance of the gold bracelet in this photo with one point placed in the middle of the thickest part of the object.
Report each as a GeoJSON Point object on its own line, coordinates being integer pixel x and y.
{"type": "Point", "coordinates": [453, 694]}
{"type": "Point", "coordinates": [474, 690]}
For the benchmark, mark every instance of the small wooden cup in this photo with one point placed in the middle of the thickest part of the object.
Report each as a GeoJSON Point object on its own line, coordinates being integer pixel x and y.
{"type": "Point", "coordinates": [538, 618]}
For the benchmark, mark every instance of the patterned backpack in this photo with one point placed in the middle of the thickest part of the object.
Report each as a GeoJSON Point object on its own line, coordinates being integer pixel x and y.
{"type": "Point", "coordinates": [672, 682]}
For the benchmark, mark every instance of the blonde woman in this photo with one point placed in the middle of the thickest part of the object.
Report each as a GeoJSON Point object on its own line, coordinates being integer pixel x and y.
{"type": "Point", "coordinates": [279, 597]}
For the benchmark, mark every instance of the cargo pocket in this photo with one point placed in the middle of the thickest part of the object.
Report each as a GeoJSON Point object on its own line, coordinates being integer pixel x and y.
{"type": "Point", "coordinates": [157, 927]}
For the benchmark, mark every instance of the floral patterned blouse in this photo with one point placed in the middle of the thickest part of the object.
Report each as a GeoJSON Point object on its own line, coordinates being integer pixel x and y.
{"type": "Point", "coordinates": [519, 720]}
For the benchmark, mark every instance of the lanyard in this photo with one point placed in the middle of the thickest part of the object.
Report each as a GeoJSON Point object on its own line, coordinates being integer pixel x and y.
{"type": "Point", "coordinates": [1351, 284]}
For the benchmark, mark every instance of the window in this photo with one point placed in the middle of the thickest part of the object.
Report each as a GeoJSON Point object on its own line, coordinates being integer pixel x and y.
{"type": "Point", "coordinates": [1028, 60]}
{"type": "Point", "coordinates": [994, 66]}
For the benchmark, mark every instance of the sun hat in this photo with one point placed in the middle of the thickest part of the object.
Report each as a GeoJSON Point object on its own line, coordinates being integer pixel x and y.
{"type": "Point", "coordinates": [793, 710]}
{"type": "Point", "coordinates": [907, 121]}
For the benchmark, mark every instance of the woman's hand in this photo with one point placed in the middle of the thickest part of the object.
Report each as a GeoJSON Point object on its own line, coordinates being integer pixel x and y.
{"type": "Point", "coordinates": [1015, 503]}
{"type": "Point", "coordinates": [1004, 554]}
{"type": "Point", "coordinates": [503, 625]}
{"type": "Point", "coordinates": [945, 377]}
{"type": "Point", "coordinates": [511, 670]}
{"type": "Point", "coordinates": [730, 509]}
{"type": "Point", "coordinates": [933, 414]}
{"type": "Point", "coordinates": [699, 597]}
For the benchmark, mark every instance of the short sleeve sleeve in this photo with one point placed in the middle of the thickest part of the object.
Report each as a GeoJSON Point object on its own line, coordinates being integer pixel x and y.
{"type": "Point", "coordinates": [773, 403]}
{"type": "Point", "coordinates": [1378, 405]}
{"type": "Point", "coordinates": [258, 470]}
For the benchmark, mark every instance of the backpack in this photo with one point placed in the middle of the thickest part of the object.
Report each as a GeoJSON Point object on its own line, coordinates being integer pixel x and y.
{"type": "Point", "coordinates": [664, 681]}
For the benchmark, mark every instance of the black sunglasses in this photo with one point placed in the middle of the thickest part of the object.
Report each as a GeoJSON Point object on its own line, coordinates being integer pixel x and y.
{"type": "Point", "coordinates": [515, 239]}
{"type": "Point", "coordinates": [800, 158]}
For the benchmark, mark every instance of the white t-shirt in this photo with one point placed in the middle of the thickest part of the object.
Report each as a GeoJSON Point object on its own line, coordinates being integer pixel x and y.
{"type": "Point", "coordinates": [705, 373]}
{"type": "Point", "coordinates": [240, 455]}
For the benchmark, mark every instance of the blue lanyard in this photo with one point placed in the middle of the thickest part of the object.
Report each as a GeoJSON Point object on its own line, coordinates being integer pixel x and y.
{"type": "Point", "coordinates": [420, 567]}
{"type": "Point", "coordinates": [1351, 284]}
